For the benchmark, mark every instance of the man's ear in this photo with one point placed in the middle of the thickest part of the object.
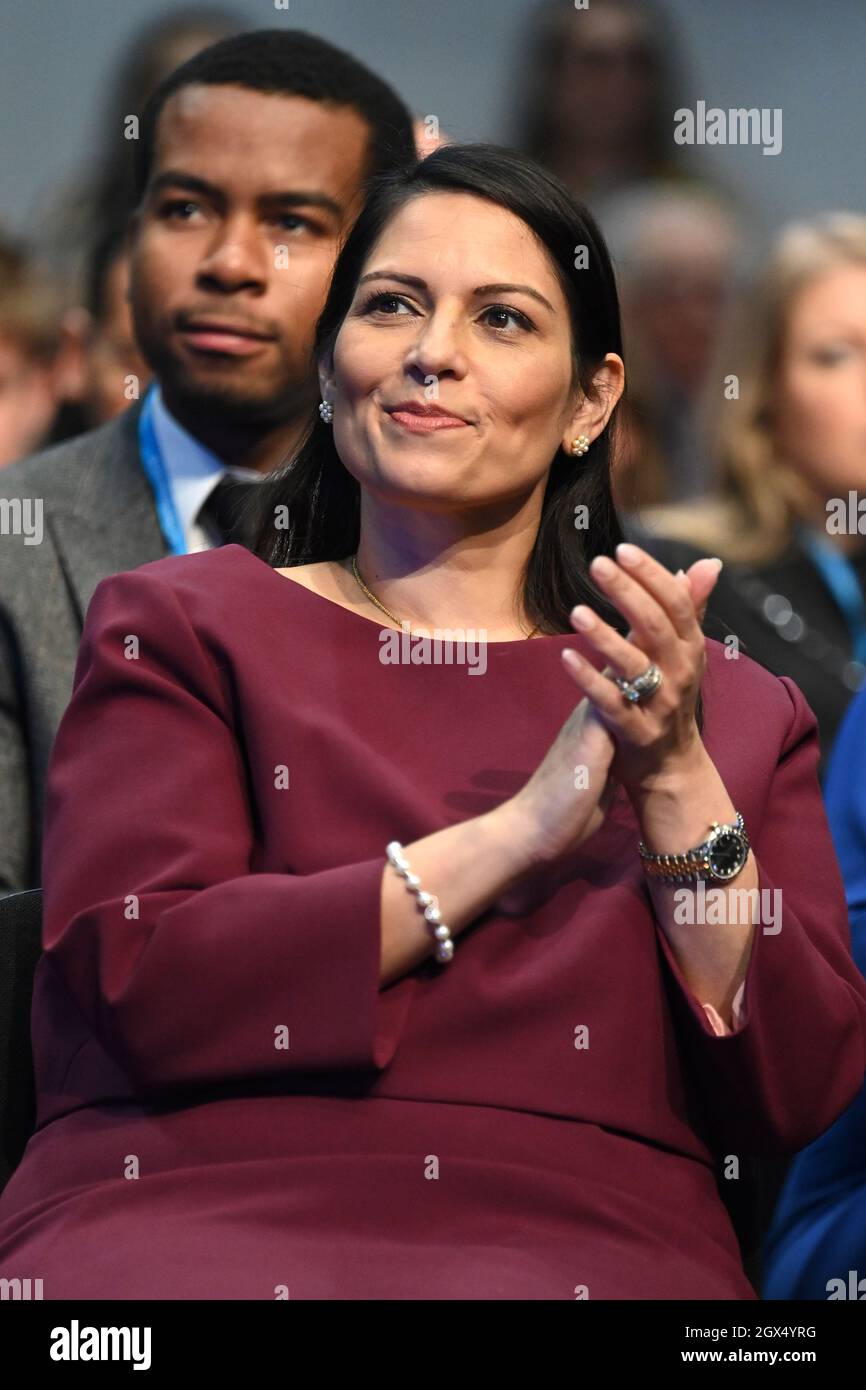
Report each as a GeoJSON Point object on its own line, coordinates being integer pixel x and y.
{"type": "Point", "coordinates": [133, 227]}
{"type": "Point", "coordinates": [70, 368]}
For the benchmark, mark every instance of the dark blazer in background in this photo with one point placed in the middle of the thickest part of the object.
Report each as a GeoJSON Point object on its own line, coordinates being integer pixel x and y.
{"type": "Point", "coordinates": [737, 605]}
{"type": "Point", "coordinates": [99, 518]}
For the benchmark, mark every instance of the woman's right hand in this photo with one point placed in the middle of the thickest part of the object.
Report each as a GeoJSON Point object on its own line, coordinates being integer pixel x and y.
{"type": "Point", "coordinates": [564, 802]}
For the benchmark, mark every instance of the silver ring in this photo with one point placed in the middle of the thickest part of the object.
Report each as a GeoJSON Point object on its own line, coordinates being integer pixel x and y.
{"type": "Point", "coordinates": [642, 687]}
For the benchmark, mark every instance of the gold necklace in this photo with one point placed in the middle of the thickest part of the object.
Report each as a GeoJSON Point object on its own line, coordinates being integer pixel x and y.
{"type": "Point", "coordinates": [372, 597]}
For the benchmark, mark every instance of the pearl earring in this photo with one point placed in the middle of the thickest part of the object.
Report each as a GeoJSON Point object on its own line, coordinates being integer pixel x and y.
{"type": "Point", "coordinates": [580, 446]}
{"type": "Point", "coordinates": [326, 410]}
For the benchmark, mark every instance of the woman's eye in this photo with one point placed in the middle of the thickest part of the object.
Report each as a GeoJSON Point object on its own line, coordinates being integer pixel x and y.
{"type": "Point", "coordinates": [502, 311]}
{"type": "Point", "coordinates": [391, 304]}
{"type": "Point", "coordinates": [384, 301]}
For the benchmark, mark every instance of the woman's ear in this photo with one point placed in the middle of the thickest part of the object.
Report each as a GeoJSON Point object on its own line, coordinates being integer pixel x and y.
{"type": "Point", "coordinates": [608, 384]}
{"type": "Point", "coordinates": [326, 379]}
{"type": "Point", "coordinates": [594, 411]}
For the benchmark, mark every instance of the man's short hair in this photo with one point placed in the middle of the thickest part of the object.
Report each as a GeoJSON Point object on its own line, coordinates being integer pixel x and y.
{"type": "Point", "coordinates": [288, 62]}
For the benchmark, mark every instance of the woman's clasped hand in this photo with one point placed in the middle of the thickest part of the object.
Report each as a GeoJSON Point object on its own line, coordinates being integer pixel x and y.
{"type": "Point", "coordinates": [608, 740]}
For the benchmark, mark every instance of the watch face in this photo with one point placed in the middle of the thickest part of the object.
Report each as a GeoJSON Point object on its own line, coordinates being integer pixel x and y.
{"type": "Point", "coordinates": [728, 854]}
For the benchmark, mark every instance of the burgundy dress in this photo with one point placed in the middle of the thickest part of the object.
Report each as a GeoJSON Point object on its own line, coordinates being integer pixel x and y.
{"type": "Point", "coordinates": [230, 1107]}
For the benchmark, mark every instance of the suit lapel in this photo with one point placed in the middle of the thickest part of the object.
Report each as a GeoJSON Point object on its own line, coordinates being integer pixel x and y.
{"type": "Point", "coordinates": [107, 522]}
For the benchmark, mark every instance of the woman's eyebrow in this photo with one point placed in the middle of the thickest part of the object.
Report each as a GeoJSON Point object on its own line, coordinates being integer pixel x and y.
{"type": "Point", "coordinates": [420, 284]}
{"type": "Point", "coordinates": [516, 289]}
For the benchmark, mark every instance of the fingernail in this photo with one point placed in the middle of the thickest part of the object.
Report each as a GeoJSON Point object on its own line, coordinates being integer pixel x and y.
{"type": "Point", "coordinates": [603, 565]}
{"type": "Point", "coordinates": [627, 554]}
{"type": "Point", "coordinates": [716, 561]}
{"type": "Point", "coordinates": [582, 617]}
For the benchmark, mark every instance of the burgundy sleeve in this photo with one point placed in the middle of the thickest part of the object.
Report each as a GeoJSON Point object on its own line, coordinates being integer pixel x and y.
{"type": "Point", "coordinates": [189, 967]}
{"type": "Point", "coordinates": [798, 1057]}
{"type": "Point", "coordinates": [717, 1023]}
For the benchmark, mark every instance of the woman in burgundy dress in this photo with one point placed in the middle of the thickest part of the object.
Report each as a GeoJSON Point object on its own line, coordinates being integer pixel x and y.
{"type": "Point", "coordinates": [365, 973]}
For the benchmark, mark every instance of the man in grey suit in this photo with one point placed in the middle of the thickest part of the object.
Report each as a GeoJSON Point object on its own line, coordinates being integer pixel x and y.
{"type": "Point", "coordinates": [251, 161]}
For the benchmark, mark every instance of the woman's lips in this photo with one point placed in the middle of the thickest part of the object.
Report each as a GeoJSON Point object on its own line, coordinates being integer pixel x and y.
{"type": "Point", "coordinates": [426, 424]}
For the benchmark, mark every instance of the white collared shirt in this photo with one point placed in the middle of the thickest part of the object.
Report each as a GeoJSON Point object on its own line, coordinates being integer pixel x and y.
{"type": "Point", "coordinates": [193, 472]}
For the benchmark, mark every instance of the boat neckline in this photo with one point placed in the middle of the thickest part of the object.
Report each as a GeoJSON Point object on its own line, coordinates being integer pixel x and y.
{"type": "Point", "coordinates": [371, 622]}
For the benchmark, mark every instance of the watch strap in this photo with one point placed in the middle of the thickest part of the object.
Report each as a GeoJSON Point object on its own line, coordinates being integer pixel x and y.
{"type": "Point", "coordinates": [691, 864]}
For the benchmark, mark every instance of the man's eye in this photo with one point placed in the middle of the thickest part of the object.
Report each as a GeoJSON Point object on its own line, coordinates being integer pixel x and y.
{"type": "Point", "coordinates": [829, 356]}
{"type": "Point", "coordinates": [178, 207]}
{"type": "Point", "coordinates": [291, 221]}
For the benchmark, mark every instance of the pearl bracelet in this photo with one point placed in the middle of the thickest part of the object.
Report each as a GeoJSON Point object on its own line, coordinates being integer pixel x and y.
{"type": "Point", "coordinates": [428, 901]}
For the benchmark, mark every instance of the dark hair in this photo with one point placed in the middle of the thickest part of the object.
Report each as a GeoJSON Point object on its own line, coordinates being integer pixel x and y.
{"type": "Point", "coordinates": [321, 497]}
{"type": "Point", "coordinates": [291, 63]}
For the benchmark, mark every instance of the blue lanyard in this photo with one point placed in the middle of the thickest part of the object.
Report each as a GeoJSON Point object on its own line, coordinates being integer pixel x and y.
{"type": "Point", "coordinates": [154, 467]}
{"type": "Point", "coordinates": [841, 579]}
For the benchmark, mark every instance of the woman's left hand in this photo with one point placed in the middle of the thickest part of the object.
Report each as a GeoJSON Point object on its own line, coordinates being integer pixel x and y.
{"type": "Point", "coordinates": [656, 738]}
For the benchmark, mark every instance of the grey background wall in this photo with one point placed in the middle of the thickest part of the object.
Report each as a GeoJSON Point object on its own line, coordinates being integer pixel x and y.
{"type": "Point", "coordinates": [458, 59]}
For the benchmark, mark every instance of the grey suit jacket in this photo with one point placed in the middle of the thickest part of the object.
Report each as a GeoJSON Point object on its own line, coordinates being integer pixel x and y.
{"type": "Point", "coordinates": [99, 517]}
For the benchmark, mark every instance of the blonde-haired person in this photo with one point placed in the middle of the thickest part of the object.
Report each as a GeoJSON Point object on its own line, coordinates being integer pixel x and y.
{"type": "Point", "coordinates": [790, 448]}
{"type": "Point", "coordinates": [41, 358]}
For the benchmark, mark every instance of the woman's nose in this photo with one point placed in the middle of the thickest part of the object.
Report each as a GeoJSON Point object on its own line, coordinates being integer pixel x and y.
{"type": "Point", "coordinates": [439, 346]}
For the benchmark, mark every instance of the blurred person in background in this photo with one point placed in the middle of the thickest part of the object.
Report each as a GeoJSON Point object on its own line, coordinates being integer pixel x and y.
{"type": "Point", "coordinates": [252, 165]}
{"type": "Point", "coordinates": [681, 260]}
{"type": "Point", "coordinates": [41, 360]}
{"type": "Point", "coordinates": [791, 455]}
{"type": "Point", "coordinates": [818, 1232]}
{"type": "Point", "coordinates": [597, 91]}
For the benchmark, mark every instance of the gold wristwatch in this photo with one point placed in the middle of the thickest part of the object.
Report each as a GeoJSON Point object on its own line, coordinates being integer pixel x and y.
{"type": "Point", "coordinates": [721, 856]}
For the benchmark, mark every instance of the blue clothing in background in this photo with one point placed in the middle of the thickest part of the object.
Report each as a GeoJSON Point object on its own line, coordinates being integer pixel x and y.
{"type": "Point", "coordinates": [818, 1232]}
